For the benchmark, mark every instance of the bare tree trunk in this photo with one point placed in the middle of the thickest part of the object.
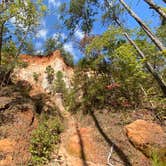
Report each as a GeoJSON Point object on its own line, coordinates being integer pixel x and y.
{"type": "Point", "coordinates": [164, 1]}
{"type": "Point", "coordinates": [144, 27]}
{"type": "Point", "coordinates": [1, 38]}
{"type": "Point", "coordinates": [146, 95]}
{"type": "Point", "coordinates": [157, 8]}
{"type": "Point", "coordinates": [154, 73]}
{"type": "Point", "coordinates": [149, 67]}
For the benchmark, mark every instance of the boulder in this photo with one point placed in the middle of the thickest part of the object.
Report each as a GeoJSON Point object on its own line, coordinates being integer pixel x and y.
{"type": "Point", "coordinates": [147, 137]}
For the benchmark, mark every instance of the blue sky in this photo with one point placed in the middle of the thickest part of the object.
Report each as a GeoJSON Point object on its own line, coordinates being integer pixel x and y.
{"type": "Point", "coordinates": [49, 24]}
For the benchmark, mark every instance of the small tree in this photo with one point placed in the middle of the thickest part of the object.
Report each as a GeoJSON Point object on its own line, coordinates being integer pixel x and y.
{"type": "Point", "coordinates": [51, 45]}
{"type": "Point", "coordinates": [68, 58]}
{"type": "Point", "coordinates": [50, 74]}
{"type": "Point", "coordinates": [59, 84]}
{"type": "Point", "coordinates": [25, 17]}
{"type": "Point", "coordinates": [36, 76]}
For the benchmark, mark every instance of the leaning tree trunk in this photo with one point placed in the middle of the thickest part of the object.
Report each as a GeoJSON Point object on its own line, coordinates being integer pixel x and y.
{"type": "Point", "coordinates": [149, 67]}
{"type": "Point", "coordinates": [164, 1]}
{"type": "Point", "coordinates": [157, 8]}
{"type": "Point", "coordinates": [155, 74]}
{"type": "Point", "coordinates": [1, 38]}
{"type": "Point", "coordinates": [144, 27]}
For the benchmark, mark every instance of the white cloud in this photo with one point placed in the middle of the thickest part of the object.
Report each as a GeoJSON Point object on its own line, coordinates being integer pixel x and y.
{"type": "Point", "coordinates": [39, 52]}
{"type": "Point", "coordinates": [15, 22]}
{"type": "Point", "coordinates": [79, 34]}
{"type": "Point", "coordinates": [38, 45]}
{"type": "Point", "coordinates": [69, 48]}
{"type": "Point", "coordinates": [63, 36]}
{"type": "Point", "coordinates": [43, 23]}
{"type": "Point", "coordinates": [42, 34]}
{"type": "Point", "coordinates": [56, 36]}
{"type": "Point", "coordinates": [53, 3]}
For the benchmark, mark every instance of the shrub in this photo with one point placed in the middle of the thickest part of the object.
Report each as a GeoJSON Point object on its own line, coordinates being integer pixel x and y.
{"type": "Point", "coordinates": [59, 83]}
{"type": "Point", "coordinates": [36, 76]}
{"type": "Point", "coordinates": [50, 74]}
{"type": "Point", "coordinates": [156, 161]}
{"type": "Point", "coordinates": [88, 93]}
{"type": "Point", "coordinates": [44, 140]}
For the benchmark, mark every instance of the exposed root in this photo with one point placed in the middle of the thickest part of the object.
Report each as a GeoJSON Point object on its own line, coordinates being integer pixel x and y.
{"type": "Point", "coordinates": [109, 157]}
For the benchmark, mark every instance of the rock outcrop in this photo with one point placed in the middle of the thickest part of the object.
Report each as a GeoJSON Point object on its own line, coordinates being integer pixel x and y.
{"type": "Point", "coordinates": [147, 137]}
{"type": "Point", "coordinates": [38, 65]}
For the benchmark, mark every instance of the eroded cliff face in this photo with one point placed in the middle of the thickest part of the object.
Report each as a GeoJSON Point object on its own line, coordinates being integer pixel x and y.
{"type": "Point", "coordinates": [38, 65]}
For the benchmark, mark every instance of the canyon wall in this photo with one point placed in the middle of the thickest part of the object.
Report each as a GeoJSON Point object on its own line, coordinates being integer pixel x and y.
{"type": "Point", "coordinates": [37, 65]}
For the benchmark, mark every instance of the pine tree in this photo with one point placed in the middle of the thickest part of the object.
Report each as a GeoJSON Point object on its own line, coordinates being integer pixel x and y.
{"type": "Point", "coordinates": [157, 8]}
{"type": "Point", "coordinates": [144, 26]}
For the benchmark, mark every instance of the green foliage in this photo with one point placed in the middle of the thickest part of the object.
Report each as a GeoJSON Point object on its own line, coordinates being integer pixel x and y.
{"type": "Point", "coordinates": [153, 56]}
{"type": "Point", "coordinates": [161, 32]}
{"type": "Point", "coordinates": [156, 161]}
{"type": "Point", "coordinates": [106, 41]}
{"type": "Point", "coordinates": [23, 24]}
{"type": "Point", "coordinates": [8, 55]}
{"type": "Point", "coordinates": [36, 76]}
{"type": "Point", "coordinates": [68, 58]}
{"type": "Point", "coordinates": [28, 48]}
{"type": "Point", "coordinates": [89, 90]}
{"type": "Point", "coordinates": [59, 84]}
{"type": "Point", "coordinates": [9, 61]}
{"type": "Point", "coordinates": [50, 74]}
{"type": "Point", "coordinates": [99, 84]}
{"type": "Point", "coordinates": [128, 71]}
{"type": "Point", "coordinates": [159, 104]}
{"type": "Point", "coordinates": [125, 68]}
{"type": "Point", "coordinates": [80, 12]}
{"type": "Point", "coordinates": [51, 45]}
{"type": "Point", "coordinates": [31, 10]}
{"type": "Point", "coordinates": [43, 141]}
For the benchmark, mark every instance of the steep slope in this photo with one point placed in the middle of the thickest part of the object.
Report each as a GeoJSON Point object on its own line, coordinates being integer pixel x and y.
{"type": "Point", "coordinates": [86, 140]}
{"type": "Point", "coordinates": [18, 109]}
{"type": "Point", "coordinates": [37, 65]}
{"type": "Point", "coordinates": [17, 121]}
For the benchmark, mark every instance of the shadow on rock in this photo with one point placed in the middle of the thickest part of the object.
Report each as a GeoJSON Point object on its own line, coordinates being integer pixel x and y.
{"type": "Point", "coordinates": [117, 149]}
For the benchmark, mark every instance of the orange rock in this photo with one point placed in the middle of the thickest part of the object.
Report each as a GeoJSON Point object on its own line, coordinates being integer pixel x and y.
{"type": "Point", "coordinates": [7, 161]}
{"type": "Point", "coordinates": [147, 137]}
{"type": "Point", "coordinates": [81, 145]}
{"type": "Point", "coordinates": [79, 141]}
{"type": "Point", "coordinates": [38, 65]}
{"type": "Point", "coordinates": [7, 146]}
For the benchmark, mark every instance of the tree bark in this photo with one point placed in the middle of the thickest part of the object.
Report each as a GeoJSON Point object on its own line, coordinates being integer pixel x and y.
{"type": "Point", "coordinates": [149, 67]}
{"type": "Point", "coordinates": [156, 75]}
{"type": "Point", "coordinates": [1, 39]}
{"type": "Point", "coordinates": [164, 1]}
{"type": "Point", "coordinates": [144, 27]}
{"type": "Point", "coordinates": [157, 8]}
